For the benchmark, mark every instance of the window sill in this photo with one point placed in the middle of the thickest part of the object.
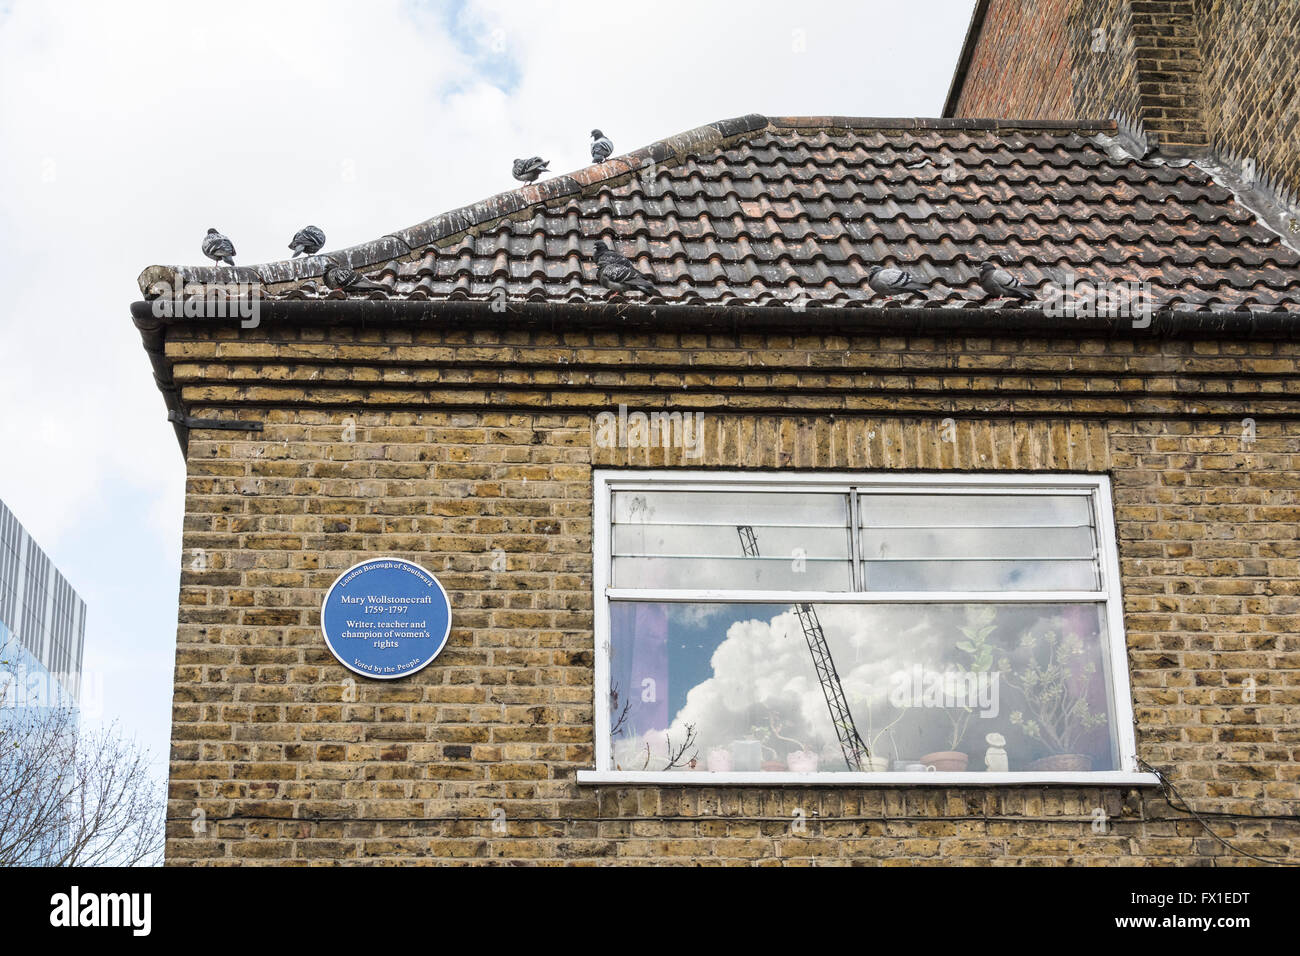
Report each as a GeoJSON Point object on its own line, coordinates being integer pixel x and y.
{"type": "Point", "coordinates": [704, 778]}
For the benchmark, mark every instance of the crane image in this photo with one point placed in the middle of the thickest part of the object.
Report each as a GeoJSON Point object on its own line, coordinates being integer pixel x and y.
{"type": "Point", "coordinates": [852, 745]}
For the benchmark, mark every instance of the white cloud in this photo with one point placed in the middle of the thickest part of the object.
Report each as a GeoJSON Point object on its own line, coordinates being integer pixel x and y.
{"type": "Point", "coordinates": [764, 667]}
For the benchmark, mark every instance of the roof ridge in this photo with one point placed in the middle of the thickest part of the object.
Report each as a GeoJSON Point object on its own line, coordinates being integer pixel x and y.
{"type": "Point", "coordinates": [450, 227]}
{"type": "Point", "coordinates": [926, 122]}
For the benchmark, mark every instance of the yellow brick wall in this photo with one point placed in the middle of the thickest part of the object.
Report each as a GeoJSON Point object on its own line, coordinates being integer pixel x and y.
{"type": "Point", "coordinates": [455, 448]}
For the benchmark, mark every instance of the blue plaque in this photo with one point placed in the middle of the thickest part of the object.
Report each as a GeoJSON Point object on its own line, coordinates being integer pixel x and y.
{"type": "Point", "coordinates": [385, 618]}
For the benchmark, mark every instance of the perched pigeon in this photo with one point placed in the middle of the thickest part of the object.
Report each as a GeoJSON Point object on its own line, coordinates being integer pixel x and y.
{"type": "Point", "coordinates": [617, 274]}
{"type": "Point", "coordinates": [307, 241]}
{"type": "Point", "coordinates": [894, 281]}
{"type": "Point", "coordinates": [341, 277]}
{"type": "Point", "coordinates": [1001, 284]}
{"type": "Point", "coordinates": [527, 170]}
{"type": "Point", "coordinates": [601, 147]}
{"type": "Point", "coordinates": [218, 248]}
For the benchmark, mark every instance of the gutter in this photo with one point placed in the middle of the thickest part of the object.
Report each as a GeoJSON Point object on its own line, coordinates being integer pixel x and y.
{"type": "Point", "coordinates": [1010, 322]}
{"type": "Point", "coordinates": [898, 320]}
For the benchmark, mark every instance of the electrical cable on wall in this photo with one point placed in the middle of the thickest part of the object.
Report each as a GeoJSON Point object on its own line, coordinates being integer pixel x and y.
{"type": "Point", "coordinates": [1167, 787]}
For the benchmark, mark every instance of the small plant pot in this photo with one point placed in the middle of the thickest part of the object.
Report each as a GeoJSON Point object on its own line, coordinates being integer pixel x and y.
{"type": "Point", "coordinates": [876, 764]}
{"type": "Point", "coordinates": [773, 766]}
{"type": "Point", "coordinates": [950, 761]}
{"type": "Point", "coordinates": [802, 761]}
{"type": "Point", "coordinates": [1058, 763]}
{"type": "Point", "coordinates": [719, 760]}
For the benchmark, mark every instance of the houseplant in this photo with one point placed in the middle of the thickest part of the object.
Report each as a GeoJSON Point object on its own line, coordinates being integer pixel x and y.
{"type": "Point", "coordinates": [875, 761]}
{"type": "Point", "coordinates": [980, 623]}
{"type": "Point", "coordinates": [1054, 679]}
{"type": "Point", "coordinates": [800, 760]}
{"type": "Point", "coordinates": [764, 736]}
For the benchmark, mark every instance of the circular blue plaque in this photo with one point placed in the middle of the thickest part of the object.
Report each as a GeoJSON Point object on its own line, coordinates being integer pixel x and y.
{"type": "Point", "coordinates": [385, 618]}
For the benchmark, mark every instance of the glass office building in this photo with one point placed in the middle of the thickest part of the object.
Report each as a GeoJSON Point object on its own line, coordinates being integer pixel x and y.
{"type": "Point", "coordinates": [42, 632]}
{"type": "Point", "coordinates": [42, 624]}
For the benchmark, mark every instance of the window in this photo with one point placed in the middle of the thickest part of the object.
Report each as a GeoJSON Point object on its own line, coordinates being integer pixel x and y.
{"type": "Point", "coordinates": [884, 628]}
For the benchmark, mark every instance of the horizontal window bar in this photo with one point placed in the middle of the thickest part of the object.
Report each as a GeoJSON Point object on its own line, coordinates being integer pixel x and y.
{"type": "Point", "coordinates": [758, 526]}
{"type": "Point", "coordinates": [696, 480]}
{"type": "Point", "coordinates": [989, 559]}
{"type": "Point", "coordinates": [873, 526]}
{"type": "Point", "coordinates": [734, 596]}
{"type": "Point", "coordinates": [865, 491]}
{"type": "Point", "coordinates": [704, 778]}
{"type": "Point", "coordinates": [752, 557]}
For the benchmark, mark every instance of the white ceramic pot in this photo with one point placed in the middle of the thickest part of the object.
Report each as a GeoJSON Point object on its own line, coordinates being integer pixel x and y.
{"type": "Point", "coordinates": [802, 761]}
{"type": "Point", "coordinates": [719, 760]}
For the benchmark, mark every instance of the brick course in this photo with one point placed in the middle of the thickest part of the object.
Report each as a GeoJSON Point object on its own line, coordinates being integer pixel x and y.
{"type": "Point", "coordinates": [463, 448]}
{"type": "Point", "coordinates": [1251, 52]}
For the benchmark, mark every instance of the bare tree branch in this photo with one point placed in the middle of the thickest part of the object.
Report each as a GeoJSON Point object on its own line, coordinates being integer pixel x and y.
{"type": "Point", "coordinates": [74, 798]}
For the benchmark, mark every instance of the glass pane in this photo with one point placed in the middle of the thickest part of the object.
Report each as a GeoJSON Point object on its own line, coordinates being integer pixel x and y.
{"type": "Point", "coordinates": [1007, 510]}
{"type": "Point", "coordinates": [746, 540]}
{"type": "Point", "coordinates": [955, 542]}
{"type": "Point", "coordinates": [730, 508]}
{"type": "Point", "coordinates": [762, 574]}
{"type": "Point", "coordinates": [1011, 687]}
{"type": "Point", "coordinates": [980, 575]}
{"type": "Point", "coordinates": [978, 542]}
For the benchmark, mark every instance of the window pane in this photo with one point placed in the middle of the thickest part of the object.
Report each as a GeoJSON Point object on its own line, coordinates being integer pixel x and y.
{"type": "Point", "coordinates": [980, 576]}
{"type": "Point", "coordinates": [734, 686]}
{"type": "Point", "coordinates": [978, 542]}
{"type": "Point", "coordinates": [765, 574]}
{"type": "Point", "coordinates": [754, 540]}
{"type": "Point", "coordinates": [730, 508]}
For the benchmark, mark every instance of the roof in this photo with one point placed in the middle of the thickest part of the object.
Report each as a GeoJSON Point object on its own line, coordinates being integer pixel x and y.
{"type": "Point", "coordinates": [759, 211]}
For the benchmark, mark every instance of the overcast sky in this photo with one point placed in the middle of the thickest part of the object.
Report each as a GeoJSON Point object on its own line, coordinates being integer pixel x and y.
{"type": "Point", "coordinates": [128, 128]}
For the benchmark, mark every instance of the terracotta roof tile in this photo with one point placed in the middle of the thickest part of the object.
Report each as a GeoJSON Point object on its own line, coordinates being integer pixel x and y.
{"type": "Point", "coordinates": [757, 211]}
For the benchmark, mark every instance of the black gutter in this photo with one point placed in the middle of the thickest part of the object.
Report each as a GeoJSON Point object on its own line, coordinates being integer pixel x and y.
{"type": "Point", "coordinates": [896, 319]}
{"type": "Point", "coordinates": [967, 53]}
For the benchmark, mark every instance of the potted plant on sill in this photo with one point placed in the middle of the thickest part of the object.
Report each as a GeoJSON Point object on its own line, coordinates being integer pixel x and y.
{"type": "Point", "coordinates": [1054, 683]}
{"type": "Point", "coordinates": [980, 623]}
{"type": "Point", "coordinates": [952, 760]}
{"type": "Point", "coordinates": [764, 735]}
{"type": "Point", "coordinates": [875, 761]}
{"type": "Point", "coordinates": [802, 759]}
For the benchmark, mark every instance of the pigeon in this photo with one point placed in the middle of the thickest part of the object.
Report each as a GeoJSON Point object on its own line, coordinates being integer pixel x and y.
{"type": "Point", "coordinates": [527, 170]}
{"type": "Point", "coordinates": [1001, 284]}
{"type": "Point", "coordinates": [894, 281]}
{"type": "Point", "coordinates": [307, 241]}
{"type": "Point", "coordinates": [601, 147]}
{"type": "Point", "coordinates": [218, 248]}
{"type": "Point", "coordinates": [341, 277]}
{"type": "Point", "coordinates": [617, 274]}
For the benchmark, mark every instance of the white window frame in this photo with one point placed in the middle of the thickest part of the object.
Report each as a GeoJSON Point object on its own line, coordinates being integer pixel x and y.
{"type": "Point", "coordinates": [607, 481]}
